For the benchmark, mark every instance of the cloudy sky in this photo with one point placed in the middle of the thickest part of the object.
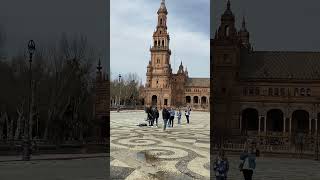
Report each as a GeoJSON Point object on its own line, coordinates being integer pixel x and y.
{"type": "Point", "coordinates": [132, 26]}
{"type": "Point", "coordinates": [45, 20]}
{"type": "Point", "coordinates": [291, 25]}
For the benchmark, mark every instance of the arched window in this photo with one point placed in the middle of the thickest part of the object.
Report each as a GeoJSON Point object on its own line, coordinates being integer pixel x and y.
{"type": "Point", "coordinates": [282, 92]}
{"type": "Point", "coordinates": [308, 92]}
{"type": "Point", "coordinates": [251, 91]}
{"type": "Point", "coordinates": [155, 43]}
{"type": "Point", "coordinates": [276, 91]}
{"type": "Point", "coordinates": [160, 21]}
{"type": "Point", "coordinates": [302, 91]}
{"type": "Point", "coordinates": [227, 31]}
{"type": "Point", "coordinates": [158, 43]}
{"type": "Point", "coordinates": [257, 92]}
{"type": "Point", "coordinates": [162, 42]}
{"type": "Point", "coordinates": [296, 92]}
{"type": "Point", "coordinates": [245, 91]}
{"type": "Point", "coordinates": [270, 92]}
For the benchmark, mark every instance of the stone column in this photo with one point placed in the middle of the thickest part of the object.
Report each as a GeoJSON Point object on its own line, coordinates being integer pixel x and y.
{"type": "Point", "coordinates": [260, 117]}
{"type": "Point", "coordinates": [310, 121]}
{"type": "Point", "coordinates": [316, 124]}
{"type": "Point", "coordinates": [284, 125]}
{"type": "Point", "coordinates": [290, 125]}
{"type": "Point", "coordinates": [265, 124]}
{"type": "Point", "coordinates": [240, 121]}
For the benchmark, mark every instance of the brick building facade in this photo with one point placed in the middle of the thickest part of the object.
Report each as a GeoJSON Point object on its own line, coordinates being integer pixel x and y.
{"type": "Point", "coordinates": [163, 87]}
{"type": "Point", "coordinates": [262, 93]}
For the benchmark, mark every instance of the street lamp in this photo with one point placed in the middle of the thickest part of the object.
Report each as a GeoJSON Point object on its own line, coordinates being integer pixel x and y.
{"type": "Point", "coordinates": [26, 141]}
{"type": "Point", "coordinates": [119, 92]}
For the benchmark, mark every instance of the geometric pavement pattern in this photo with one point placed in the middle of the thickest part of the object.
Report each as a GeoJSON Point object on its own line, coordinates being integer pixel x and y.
{"type": "Point", "coordinates": [181, 152]}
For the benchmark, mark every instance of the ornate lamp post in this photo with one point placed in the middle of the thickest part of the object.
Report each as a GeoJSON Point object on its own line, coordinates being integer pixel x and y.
{"type": "Point", "coordinates": [119, 92]}
{"type": "Point", "coordinates": [26, 141]}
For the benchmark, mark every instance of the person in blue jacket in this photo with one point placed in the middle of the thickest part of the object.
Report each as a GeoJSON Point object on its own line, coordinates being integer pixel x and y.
{"type": "Point", "coordinates": [221, 166]}
{"type": "Point", "coordinates": [248, 162]}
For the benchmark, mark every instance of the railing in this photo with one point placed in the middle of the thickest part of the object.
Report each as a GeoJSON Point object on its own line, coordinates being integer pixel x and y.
{"type": "Point", "coordinates": [274, 143]}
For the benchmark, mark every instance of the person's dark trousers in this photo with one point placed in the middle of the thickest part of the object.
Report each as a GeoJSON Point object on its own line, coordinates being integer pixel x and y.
{"type": "Point", "coordinates": [165, 124]}
{"type": "Point", "coordinates": [247, 174]}
{"type": "Point", "coordinates": [152, 121]}
{"type": "Point", "coordinates": [171, 121]}
{"type": "Point", "coordinates": [157, 121]}
{"type": "Point", "coordinates": [187, 119]}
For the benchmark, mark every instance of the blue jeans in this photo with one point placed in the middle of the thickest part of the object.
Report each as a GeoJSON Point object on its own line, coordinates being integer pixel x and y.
{"type": "Point", "coordinates": [165, 124]}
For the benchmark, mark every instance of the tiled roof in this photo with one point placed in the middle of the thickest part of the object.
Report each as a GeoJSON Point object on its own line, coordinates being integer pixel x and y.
{"type": "Point", "coordinates": [199, 82]}
{"type": "Point", "coordinates": [280, 65]}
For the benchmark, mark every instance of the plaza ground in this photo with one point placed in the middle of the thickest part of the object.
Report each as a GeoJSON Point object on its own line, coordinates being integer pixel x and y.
{"type": "Point", "coordinates": [182, 152]}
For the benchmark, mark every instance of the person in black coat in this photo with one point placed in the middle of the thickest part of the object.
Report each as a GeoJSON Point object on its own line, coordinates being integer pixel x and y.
{"type": "Point", "coordinates": [150, 117]}
{"type": "Point", "coordinates": [165, 116]}
{"type": "Point", "coordinates": [156, 115]}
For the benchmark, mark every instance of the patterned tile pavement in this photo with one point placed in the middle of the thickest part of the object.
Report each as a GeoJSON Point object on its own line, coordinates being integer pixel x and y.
{"type": "Point", "coordinates": [181, 152]}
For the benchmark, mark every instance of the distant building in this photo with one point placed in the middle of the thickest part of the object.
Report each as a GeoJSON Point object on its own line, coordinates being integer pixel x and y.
{"type": "Point", "coordinates": [163, 87]}
{"type": "Point", "coordinates": [262, 93]}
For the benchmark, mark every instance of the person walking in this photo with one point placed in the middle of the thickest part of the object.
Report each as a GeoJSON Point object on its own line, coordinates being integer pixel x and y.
{"type": "Point", "coordinates": [156, 116]}
{"type": "Point", "coordinates": [153, 113]}
{"type": "Point", "coordinates": [187, 113]}
{"type": "Point", "coordinates": [172, 113]}
{"type": "Point", "coordinates": [221, 166]}
{"type": "Point", "coordinates": [169, 122]}
{"type": "Point", "coordinates": [150, 117]}
{"type": "Point", "coordinates": [179, 116]}
{"type": "Point", "coordinates": [248, 162]}
{"type": "Point", "coordinates": [165, 117]}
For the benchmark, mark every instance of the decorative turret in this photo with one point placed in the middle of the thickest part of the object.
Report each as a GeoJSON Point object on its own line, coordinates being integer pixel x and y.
{"type": "Point", "coordinates": [99, 73]}
{"type": "Point", "coordinates": [180, 71]}
{"type": "Point", "coordinates": [163, 8]}
{"type": "Point", "coordinates": [244, 35]}
{"type": "Point", "coordinates": [186, 72]}
{"type": "Point", "coordinates": [227, 28]}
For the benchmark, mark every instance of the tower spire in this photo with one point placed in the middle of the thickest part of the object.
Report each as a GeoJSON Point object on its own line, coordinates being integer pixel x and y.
{"type": "Point", "coordinates": [243, 23]}
{"type": "Point", "coordinates": [228, 5]}
{"type": "Point", "coordinates": [99, 67]}
{"type": "Point", "coordinates": [163, 7]}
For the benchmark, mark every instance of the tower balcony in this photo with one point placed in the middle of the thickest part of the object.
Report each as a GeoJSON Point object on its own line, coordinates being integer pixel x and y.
{"type": "Point", "coordinates": [160, 48]}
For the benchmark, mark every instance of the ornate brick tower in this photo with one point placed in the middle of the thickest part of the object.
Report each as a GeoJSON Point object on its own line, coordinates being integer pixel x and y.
{"type": "Point", "coordinates": [226, 62]}
{"type": "Point", "coordinates": [158, 85]}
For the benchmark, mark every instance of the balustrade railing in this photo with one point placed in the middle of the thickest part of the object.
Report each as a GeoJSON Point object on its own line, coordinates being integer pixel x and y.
{"type": "Point", "coordinates": [273, 144]}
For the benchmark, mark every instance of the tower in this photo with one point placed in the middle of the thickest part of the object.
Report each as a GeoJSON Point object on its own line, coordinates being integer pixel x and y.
{"type": "Point", "coordinates": [226, 62]}
{"type": "Point", "coordinates": [178, 92]}
{"type": "Point", "coordinates": [159, 70]}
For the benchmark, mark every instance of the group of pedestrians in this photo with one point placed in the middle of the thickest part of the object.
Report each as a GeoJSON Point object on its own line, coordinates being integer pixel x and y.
{"type": "Point", "coordinates": [153, 115]}
{"type": "Point", "coordinates": [246, 166]}
{"type": "Point", "coordinates": [168, 116]}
